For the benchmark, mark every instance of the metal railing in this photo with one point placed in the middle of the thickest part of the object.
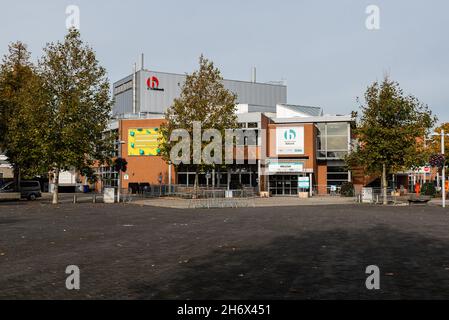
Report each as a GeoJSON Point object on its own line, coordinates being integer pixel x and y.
{"type": "Point", "coordinates": [183, 192]}
{"type": "Point", "coordinates": [393, 196]}
{"type": "Point", "coordinates": [77, 197]}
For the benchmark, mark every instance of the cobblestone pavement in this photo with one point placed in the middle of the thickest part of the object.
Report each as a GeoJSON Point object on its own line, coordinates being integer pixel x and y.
{"type": "Point", "coordinates": [143, 252]}
{"type": "Point", "coordinates": [252, 202]}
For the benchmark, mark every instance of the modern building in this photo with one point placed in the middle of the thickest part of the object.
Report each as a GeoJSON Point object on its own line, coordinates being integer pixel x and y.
{"type": "Point", "coordinates": [298, 148]}
{"type": "Point", "coordinates": [151, 92]}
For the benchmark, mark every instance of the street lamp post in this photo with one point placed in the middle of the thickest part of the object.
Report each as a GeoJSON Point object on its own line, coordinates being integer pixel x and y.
{"type": "Point", "coordinates": [160, 184]}
{"type": "Point", "coordinates": [169, 177]}
{"type": "Point", "coordinates": [443, 170]}
{"type": "Point", "coordinates": [442, 134]}
{"type": "Point", "coordinates": [119, 182]}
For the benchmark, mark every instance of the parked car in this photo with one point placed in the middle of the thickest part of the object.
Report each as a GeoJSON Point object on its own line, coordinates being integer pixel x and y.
{"type": "Point", "coordinates": [28, 189]}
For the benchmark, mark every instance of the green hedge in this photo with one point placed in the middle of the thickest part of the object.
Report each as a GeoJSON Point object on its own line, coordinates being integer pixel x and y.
{"type": "Point", "coordinates": [347, 189]}
{"type": "Point", "coordinates": [428, 189]}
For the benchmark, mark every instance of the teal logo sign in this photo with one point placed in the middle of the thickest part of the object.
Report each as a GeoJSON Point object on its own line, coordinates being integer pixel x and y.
{"type": "Point", "coordinates": [290, 134]}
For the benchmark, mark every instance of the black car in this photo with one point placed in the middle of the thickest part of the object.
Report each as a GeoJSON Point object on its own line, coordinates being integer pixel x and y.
{"type": "Point", "coordinates": [28, 189]}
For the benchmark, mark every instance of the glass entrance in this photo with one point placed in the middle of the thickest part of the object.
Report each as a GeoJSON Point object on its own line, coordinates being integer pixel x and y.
{"type": "Point", "coordinates": [283, 185]}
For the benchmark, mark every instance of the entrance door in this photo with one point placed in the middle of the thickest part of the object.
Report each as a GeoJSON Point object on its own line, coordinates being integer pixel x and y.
{"type": "Point", "coordinates": [283, 185]}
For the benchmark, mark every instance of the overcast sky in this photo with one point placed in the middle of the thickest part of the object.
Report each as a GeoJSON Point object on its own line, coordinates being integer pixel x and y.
{"type": "Point", "coordinates": [321, 48]}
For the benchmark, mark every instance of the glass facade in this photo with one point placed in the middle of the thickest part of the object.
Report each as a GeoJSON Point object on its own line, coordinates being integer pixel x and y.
{"type": "Point", "coordinates": [109, 177]}
{"type": "Point", "coordinates": [332, 140]}
{"type": "Point", "coordinates": [337, 173]}
{"type": "Point", "coordinates": [245, 175]}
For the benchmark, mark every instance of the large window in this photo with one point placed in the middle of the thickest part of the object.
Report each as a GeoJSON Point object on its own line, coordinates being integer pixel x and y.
{"type": "Point", "coordinates": [332, 140]}
{"type": "Point", "coordinates": [337, 173]}
{"type": "Point", "coordinates": [109, 177]}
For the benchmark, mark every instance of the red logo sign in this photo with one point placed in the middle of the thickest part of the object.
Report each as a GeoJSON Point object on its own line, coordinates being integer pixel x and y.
{"type": "Point", "coordinates": [153, 83]}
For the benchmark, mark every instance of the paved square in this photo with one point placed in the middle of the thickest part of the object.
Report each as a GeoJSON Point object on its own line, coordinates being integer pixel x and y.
{"type": "Point", "coordinates": [143, 252]}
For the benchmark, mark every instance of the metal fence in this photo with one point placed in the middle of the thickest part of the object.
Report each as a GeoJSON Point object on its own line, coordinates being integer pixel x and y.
{"type": "Point", "coordinates": [77, 197]}
{"type": "Point", "coordinates": [393, 197]}
{"type": "Point", "coordinates": [326, 190]}
{"type": "Point", "coordinates": [203, 196]}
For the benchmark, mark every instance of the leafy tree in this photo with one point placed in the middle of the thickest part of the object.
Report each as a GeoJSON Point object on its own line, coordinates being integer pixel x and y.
{"type": "Point", "coordinates": [391, 132]}
{"type": "Point", "coordinates": [428, 189]}
{"type": "Point", "coordinates": [79, 106]}
{"type": "Point", "coordinates": [23, 116]}
{"type": "Point", "coordinates": [347, 189]}
{"type": "Point", "coordinates": [204, 99]}
{"type": "Point", "coordinates": [120, 165]}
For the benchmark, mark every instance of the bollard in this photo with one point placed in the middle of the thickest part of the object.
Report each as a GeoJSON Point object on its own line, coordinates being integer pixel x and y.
{"type": "Point", "coordinates": [94, 198]}
{"type": "Point", "coordinates": [74, 198]}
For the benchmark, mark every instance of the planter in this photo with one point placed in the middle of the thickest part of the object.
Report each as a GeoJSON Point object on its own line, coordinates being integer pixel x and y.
{"type": "Point", "coordinates": [303, 195]}
{"type": "Point", "coordinates": [109, 195]}
{"type": "Point", "coordinates": [264, 194]}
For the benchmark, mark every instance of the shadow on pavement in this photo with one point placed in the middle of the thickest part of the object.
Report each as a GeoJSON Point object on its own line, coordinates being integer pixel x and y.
{"type": "Point", "coordinates": [317, 265]}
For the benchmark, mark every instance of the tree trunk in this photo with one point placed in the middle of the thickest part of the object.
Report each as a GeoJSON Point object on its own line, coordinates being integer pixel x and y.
{"type": "Point", "coordinates": [16, 173]}
{"type": "Point", "coordinates": [19, 178]}
{"type": "Point", "coordinates": [384, 184]}
{"type": "Point", "coordinates": [56, 187]}
{"type": "Point", "coordinates": [196, 183]}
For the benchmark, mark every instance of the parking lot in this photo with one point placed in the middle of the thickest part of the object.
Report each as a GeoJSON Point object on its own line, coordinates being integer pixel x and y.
{"type": "Point", "coordinates": [297, 252]}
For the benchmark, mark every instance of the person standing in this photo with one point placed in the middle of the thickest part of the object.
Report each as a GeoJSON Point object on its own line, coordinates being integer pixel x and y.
{"type": "Point", "coordinates": [417, 188]}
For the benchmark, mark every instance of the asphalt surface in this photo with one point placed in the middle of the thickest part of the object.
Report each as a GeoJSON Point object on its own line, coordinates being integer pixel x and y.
{"type": "Point", "coordinates": [142, 252]}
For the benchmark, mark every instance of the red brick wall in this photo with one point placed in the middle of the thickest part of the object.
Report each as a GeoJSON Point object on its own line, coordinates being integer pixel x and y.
{"type": "Point", "coordinates": [309, 155]}
{"type": "Point", "coordinates": [142, 168]}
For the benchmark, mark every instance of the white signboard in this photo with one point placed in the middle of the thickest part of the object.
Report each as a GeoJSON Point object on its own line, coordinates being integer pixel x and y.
{"type": "Point", "coordinates": [109, 195]}
{"type": "Point", "coordinates": [426, 170]}
{"type": "Point", "coordinates": [303, 182]}
{"type": "Point", "coordinates": [289, 140]}
{"type": "Point", "coordinates": [277, 167]}
{"type": "Point", "coordinates": [367, 195]}
{"type": "Point", "coordinates": [67, 177]}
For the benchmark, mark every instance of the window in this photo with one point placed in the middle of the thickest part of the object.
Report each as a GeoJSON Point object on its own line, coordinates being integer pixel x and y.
{"type": "Point", "coordinates": [332, 140]}
{"type": "Point", "coordinates": [9, 187]}
{"type": "Point", "coordinates": [29, 184]}
{"type": "Point", "coordinates": [337, 174]}
{"type": "Point", "coordinates": [249, 138]}
{"type": "Point", "coordinates": [252, 125]}
{"type": "Point", "coordinates": [337, 143]}
{"type": "Point", "coordinates": [109, 177]}
{"type": "Point", "coordinates": [337, 129]}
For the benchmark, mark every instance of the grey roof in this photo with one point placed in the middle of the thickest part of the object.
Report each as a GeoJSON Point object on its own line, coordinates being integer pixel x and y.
{"type": "Point", "coordinates": [325, 118]}
{"type": "Point", "coordinates": [311, 111]}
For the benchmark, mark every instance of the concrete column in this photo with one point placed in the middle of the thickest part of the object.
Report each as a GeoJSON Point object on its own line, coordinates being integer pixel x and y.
{"type": "Point", "coordinates": [169, 177]}
{"type": "Point", "coordinates": [438, 179]}
{"type": "Point", "coordinates": [310, 184]}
